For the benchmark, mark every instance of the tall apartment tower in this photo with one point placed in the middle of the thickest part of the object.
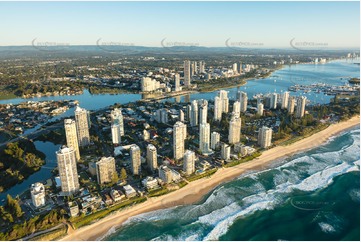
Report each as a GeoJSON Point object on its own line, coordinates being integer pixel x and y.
{"type": "Point", "coordinates": [194, 113]}
{"type": "Point", "coordinates": [82, 126]}
{"type": "Point", "coordinates": [234, 135]}
{"type": "Point", "coordinates": [177, 86]}
{"type": "Point", "coordinates": [67, 170]}
{"type": "Point", "coordinates": [187, 73]}
{"type": "Point", "coordinates": [117, 118]}
{"type": "Point", "coordinates": [237, 108]}
{"type": "Point", "coordinates": [273, 104]}
{"type": "Point", "coordinates": [215, 139]}
{"type": "Point", "coordinates": [71, 136]}
{"type": "Point", "coordinates": [217, 108]}
{"type": "Point", "coordinates": [225, 101]}
{"type": "Point", "coordinates": [152, 157]}
{"type": "Point", "coordinates": [260, 109]}
{"type": "Point", "coordinates": [285, 97]}
{"type": "Point", "coordinates": [204, 137]}
{"type": "Point", "coordinates": [116, 135]}
{"type": "Point", "coordinates": [179, 136]}
{"type": "Point", "coordinates": [189, 162]}
{"type": "Point", "coordinates": [264, 137]}
{"type": "Point", "coordinates": [240, 68]}
{"type": "Point", "coordinates": [225, 151]}
{"type": "Point", "coordinates": [301, 104]}
{"type": "Point", "coordinates": [221, 104]}
{"type": "Point", "coordinates": [181, 115]}
{"type": "Point", "coordinates": [135, 156]}
{"type": "Point", "coordinates": [203, 111]}
{"type": "Point", "coordinates": [291, 105]}
{"type": "Point", "coordinates": [105, 169]}
{"type": "Point", "coordinates": [235, 68]}
{"type": "Point", "coordinates": [243, 99]}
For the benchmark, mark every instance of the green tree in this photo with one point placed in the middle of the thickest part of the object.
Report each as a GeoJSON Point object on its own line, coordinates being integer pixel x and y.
{"type": "Point", "coordinates": [12, 205]}
{"type": "Point", "coordinates": [115, 178]}
{"type": "Point", "coordinates": [123, 174]}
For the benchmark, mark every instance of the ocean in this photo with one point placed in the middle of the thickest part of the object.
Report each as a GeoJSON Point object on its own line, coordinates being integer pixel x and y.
{"type": "Point", "coordinates": [314, 195]}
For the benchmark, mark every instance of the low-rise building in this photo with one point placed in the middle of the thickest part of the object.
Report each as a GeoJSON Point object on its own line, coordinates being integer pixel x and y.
{"type": "Point", "coordinates": [73, 209]}
{"type": "Point", "coordinates": [150, 183]}
{"type": "Point", "coordinates": [116, 195]}
{"type": "Point", "coordinates": [165, 174]}
{"type": "Point", "coordinates": [129, 191]}
{"type": "Point", "coordinates": [37, 191]}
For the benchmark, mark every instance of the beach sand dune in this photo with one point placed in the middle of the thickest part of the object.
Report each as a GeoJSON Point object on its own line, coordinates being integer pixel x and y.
{"type": "Point", "coordinates": [194, 191]}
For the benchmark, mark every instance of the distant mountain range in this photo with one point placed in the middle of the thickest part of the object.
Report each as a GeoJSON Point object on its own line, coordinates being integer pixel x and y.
{"type": "Point", "coordinates": [17, 51]}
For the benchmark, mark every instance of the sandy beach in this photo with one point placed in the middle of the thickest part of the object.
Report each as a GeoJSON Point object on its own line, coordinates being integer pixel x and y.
{"type": "Point", "coordinates": [196, 190]}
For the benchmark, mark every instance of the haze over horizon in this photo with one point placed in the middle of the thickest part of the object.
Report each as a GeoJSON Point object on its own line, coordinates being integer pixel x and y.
{"type": "Point", "coordinates": [332, 25]}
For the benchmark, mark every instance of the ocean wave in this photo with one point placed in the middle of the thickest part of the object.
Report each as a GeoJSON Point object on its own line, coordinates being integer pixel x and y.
{"type": "Point", "coordinates": [222, 227]}
{"type": "Point", "coordinates": [327, 228]}
{"type": "Point", "coordinates": [323, 178]}
{"type": "Point", "coordinates": [111, 231]}
{"type": "Point", "coordinates": [354, 195]}
{"type": "Point", "coordinates": [268, 199]}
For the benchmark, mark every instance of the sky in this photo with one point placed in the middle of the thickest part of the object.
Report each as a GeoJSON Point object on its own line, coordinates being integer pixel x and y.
{"type": "Point", "coordinates": [211, 24]}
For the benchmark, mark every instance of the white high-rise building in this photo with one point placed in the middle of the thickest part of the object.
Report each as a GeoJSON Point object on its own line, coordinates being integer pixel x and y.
{"type": "Point", "coordinates": [136, 160]}
{"type": "Point", "coordinates": [204, 137]}
{"type": "Point", "coordinates": [260, 109]}
{"type": "Point", "coordinates": [215, 139]}
{"type": "Point", "coordinates": [273, 104]}
{"type": "Point", "coordinates": [194, 113]}
{"type": "Point", "coordinates": [105, 170]}
{"type": "Point", "coordinates": [161, 116]}
{"type": "Point", "coordinates": [217, 108]}
{"type": "Point", "coordinates": [225, 101]}
{"type": "Point", "coordinates": [187, 73]}
{"type": "Point", "coordinates": [285, 97]}
{"type": "Point", "coordinates": [71, 136]}
{"type": "Point", "coordinates": [177, 86]}
{"type": "Point", "coordinates": [179, 136]}
{"type": "Point", "coordinates": [291, 105]}
{"type": "Point", "coordinates": [301, 104]}
{"type": "Point", "coordinates": [181, 115]}
{"type": "Point", "coordinates": [148, 84]}
{"type": "Point", "coordinates": [225, 151]}
{"type": "Point", "coordinates": [234, 135]}
{"type": "Point", "coordinates": [264, 137]}
{"type": "Point", "coordinates": [67, 170]}
{"type": "Point", "coordinates": [117, 118]}
{"type": "Point", "coordinates": [243, 99]}
{"type": "Point", "coordinates": [152, 157]}
{"type": "Point", "coordinates": [201, 67]}
{"type": "Point", "coordinates": [37, 192]}
{"type": "Point", "coordinates": [203, 111]}
{"type": "Point", "coordinates": [235, 68]}
{"type": "Point", "coordinates": [82, 126]}
{"type": "Point", "coordinates": [116, 135]}
{"type": "Point", "coordinates": [189, 110]}
{"type": "Point", "coordinates": [189, 162]}
{"type": "Point", "coordinates": [221, 104]}
{"type": "Point", "coordinates": [237, 108]}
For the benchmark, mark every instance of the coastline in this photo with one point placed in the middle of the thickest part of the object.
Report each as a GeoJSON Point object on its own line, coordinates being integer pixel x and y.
{"type": "Point", "coordinates": [196, 190]}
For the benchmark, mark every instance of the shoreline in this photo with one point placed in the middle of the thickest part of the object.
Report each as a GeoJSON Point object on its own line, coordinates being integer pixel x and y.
{"type": "Point", "coordinates": [196, 190]}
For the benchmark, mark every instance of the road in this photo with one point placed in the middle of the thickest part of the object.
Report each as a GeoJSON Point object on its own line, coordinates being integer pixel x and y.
{"type": "Point", "coordinates": [43, 232]}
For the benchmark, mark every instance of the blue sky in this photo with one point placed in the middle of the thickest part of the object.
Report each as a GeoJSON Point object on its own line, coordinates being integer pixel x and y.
{"type": "Point", "coordinates": [273, 24]}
